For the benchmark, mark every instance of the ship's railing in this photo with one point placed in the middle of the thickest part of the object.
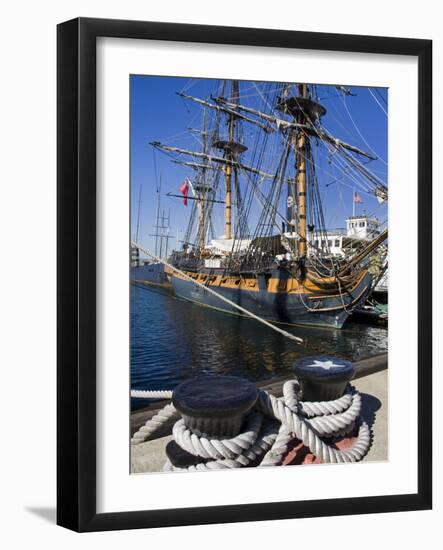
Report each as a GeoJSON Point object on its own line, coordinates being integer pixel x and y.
{"type": "Point", "coordinates": [329, 232]}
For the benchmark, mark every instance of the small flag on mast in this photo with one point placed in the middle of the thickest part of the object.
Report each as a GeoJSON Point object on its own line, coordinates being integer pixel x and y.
{"type": "Point", "coordinates": [357, 199]}
{"type": "Point", "coordinates": [184, 190]}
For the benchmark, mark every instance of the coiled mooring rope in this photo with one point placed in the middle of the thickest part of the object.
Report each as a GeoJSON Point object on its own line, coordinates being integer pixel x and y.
{"type": "Point", "coordinates": [267, 431]}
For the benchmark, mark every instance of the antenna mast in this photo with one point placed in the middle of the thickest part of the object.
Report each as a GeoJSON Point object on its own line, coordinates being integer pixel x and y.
{"type": "Point", "coordinates": [138, 213]}
{"type": "Point", "coordinates": [159, 188]}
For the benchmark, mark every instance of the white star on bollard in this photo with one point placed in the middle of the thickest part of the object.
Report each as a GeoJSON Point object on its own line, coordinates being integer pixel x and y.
{"type": "Point", "coordinates": [326, 365]}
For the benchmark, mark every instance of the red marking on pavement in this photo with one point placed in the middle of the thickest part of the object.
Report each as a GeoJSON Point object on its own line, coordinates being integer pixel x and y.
{"type": "Point", "coordinates": [299, 454]}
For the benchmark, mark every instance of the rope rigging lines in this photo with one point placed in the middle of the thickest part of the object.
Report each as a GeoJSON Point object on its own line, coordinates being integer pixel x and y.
{"type": "Point", "coordinates": [269, 173]}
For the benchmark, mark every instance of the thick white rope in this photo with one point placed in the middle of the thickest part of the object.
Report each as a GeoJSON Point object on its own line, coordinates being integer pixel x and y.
{"type": "Point", "coordinates": [334, 426]}
{"type": "Point", "coordinates": [269, 428]}
{"type": "Point", "coordinates": [168, 413]}
{"type": "Point", "coordinates": [274, 456]}
{"type": "Point", "coordinates": [220, 296]}
{"type": "Point", "coordinates": [303, 429]}
{"type": "Point", "coordinates": [327, 418]}
{"type": "Point", "coordinates": [264, 441]}
{"type": "Point", "coordinates": [159, 394]}
{"type": "Point", "coordinates": [198, 444]}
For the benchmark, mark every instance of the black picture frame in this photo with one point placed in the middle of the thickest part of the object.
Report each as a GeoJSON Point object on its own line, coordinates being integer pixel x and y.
{"type": "Point", "coordinates": [76, 295]}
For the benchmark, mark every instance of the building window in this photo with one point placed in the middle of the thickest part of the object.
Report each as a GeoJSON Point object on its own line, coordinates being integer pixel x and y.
{"type": "Point", "coordinates": [337, 243]}
{"type": "Point", "coordinates": [329, 243]}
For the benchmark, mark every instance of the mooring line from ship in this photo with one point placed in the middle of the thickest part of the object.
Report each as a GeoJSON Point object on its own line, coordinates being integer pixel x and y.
{"type": "Point", "coordinates": [343, 330]}
{"type": "Point", "coordinates": [267, 432]}
{"type": "Point", "coordinates": [223, 298]}
{"type": "Point", "coordinates": [295, 325]}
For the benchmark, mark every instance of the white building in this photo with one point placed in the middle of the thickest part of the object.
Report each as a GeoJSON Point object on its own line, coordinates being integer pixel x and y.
{"type": "Point", "coordinates": [341, 241]}
{"type": "Point", "coordinates": [362, 227]}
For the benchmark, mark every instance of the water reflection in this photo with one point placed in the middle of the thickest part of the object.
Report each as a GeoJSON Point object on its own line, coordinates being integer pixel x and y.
{"type": "Point", "coordinates": [172, 340]}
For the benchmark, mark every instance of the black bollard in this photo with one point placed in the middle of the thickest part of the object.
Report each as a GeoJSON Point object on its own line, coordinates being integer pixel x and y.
{"type": "Point", "coordinates": [211, 404]}
{"type": "Point", "coordinates": [323, 377]}
{"type": "Point", "coordinates": [214, 404]}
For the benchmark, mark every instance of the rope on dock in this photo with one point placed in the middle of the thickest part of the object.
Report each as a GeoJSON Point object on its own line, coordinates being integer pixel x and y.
{"type": "Point", "coordinates": [152, 394]}
{"type": "Point", "coordinates": [268, 430]}
{"type": "Point", "coordinates": [279, 449]}
{"type": "Point", "coordinates": [216, 448]}
{"type": "Point", "coordinates": [169, 412]}
{"type": "Point", "coordinates": [237, 452]}
{"type": "Point", "coordinates": [306, 429]}
{"type": "Point", "coordinates": [264, 441]}
{"type": "Point", "coordinates": [223, 298]}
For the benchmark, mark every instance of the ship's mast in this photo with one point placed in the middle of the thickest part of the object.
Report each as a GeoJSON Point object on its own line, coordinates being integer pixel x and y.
{"type": "Point", "coordinates": [306, 113]}
{"type": "Point", "coordinates": [301, 146]}
{"type": "Point", "coordinates": [228, 168]}
{"type": "Point", "coordinates": [232, 149]}
{"type": "Point", "coordinates": [201, 193]}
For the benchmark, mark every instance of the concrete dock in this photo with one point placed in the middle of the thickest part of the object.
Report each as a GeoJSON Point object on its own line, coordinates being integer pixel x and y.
{"type": "Point", "coordinates": [371, 380]}
{"type": "Point", "coordinates": [374, 392]}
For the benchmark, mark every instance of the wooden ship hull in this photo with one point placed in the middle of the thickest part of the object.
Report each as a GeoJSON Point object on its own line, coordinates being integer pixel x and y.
{"type": "Point", "coordinates": [276, 296]}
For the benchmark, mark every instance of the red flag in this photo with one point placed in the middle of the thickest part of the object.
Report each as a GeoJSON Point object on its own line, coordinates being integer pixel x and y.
{"type": "Point", "coordinates": [357, 198]}
{"type": "Point", "coordinates": [184, 190]}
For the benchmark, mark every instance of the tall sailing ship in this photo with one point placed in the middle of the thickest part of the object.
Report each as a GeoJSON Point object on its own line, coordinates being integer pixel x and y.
{"type": "Point", "coordinates": [266, 181]}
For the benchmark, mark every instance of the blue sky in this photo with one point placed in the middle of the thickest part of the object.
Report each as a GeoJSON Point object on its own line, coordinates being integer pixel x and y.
{"type": "Point", "coordinates": [159, 114]}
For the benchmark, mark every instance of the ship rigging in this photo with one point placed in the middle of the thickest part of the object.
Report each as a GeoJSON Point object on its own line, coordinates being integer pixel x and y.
{"type": "Point", "coordinates": [266, 180]}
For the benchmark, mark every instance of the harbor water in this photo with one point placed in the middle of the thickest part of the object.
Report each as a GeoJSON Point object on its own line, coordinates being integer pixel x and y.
{"type": "Point", "coordinates": [173, 340]}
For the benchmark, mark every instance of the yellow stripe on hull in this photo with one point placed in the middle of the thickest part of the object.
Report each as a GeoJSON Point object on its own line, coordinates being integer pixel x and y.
{"type": "Point", "coordinates": [274, 285]}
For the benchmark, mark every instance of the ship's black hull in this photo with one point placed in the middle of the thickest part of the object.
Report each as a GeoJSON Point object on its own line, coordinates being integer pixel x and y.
{"type": "Point", "coordinates": [282, 307]}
